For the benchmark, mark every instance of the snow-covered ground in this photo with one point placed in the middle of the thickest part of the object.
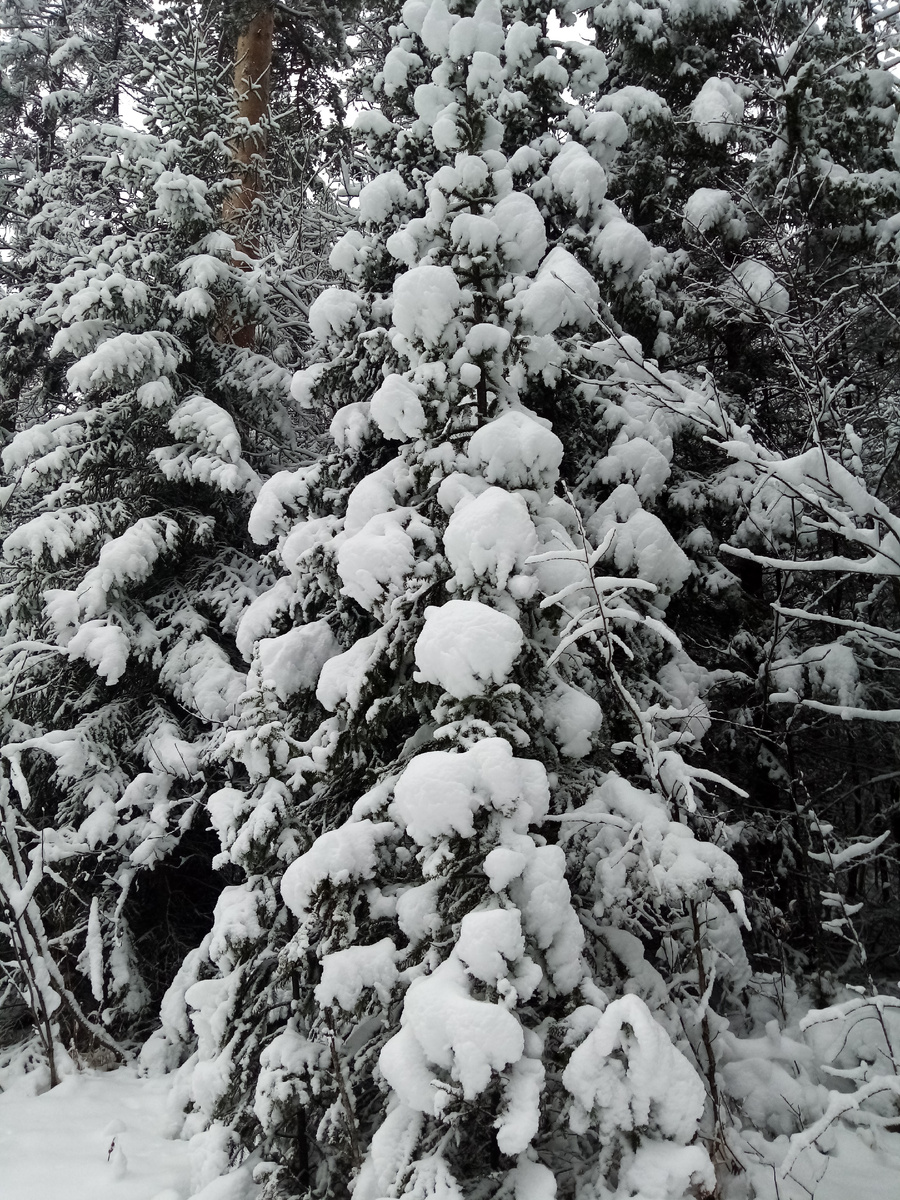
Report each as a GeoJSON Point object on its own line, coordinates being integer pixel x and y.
{"type": "Point", "coordinates": [102, 1136]}
{"type": "Point", "coordinates": [111, 1136]}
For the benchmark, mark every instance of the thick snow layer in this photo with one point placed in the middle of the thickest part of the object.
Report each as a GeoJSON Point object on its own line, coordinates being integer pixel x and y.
{"type": "Point", "coordinates": [573, 716]}
{"type": "Point", "coordinates": [379, 492]}
{"type": "Point", "coordinates": [397, 66]}
{"type": "Point", "coordinates": [202, 678]}
{"type": "Point", "coordinates": [516, 450]}
{"type": "Point", "coordinates": [430, 101]}
{"type": "Point", "coordinates": [578, 179]}
{"type": "Point", "coordinates": [261, 614]}
{"type": "Point", "coordinates": [439, 793]}
{"type": "Point", "coordinates": [204, 421]}
{"type": "Point", "coordinates": [435, 28]}
{"type": "Point", "coordinates": [562, 294]}
{"type": "Point", "coordinates": [753, 287]}
{"type": "Point", "coordinates": [642, 546]}
{"type": "Point", "coordinates": [180, 196]}
{"type": "Point", "coordinates": [520, 1119]}
{"type": "Point", "coordinates": [104, 646]}
{"type": "Point", "coordinates": [343, 677]}
{"type": "Point", "coordinates": [622, 251]}
{"type": "Point", "coordinates": [444, 1026]}
{"type": "Point", "coordinates": [351, 424]}
{"type": "Point", "coordinates": [680, 866]}
{"type": "Point", "coordinates": [489, 538]}
{"type": "Point", "coordinates": [635, 104]}
{"type": "Point", "coordinates": [339, 855]}
{"type": "Point", "coordinates": [127, 356]}
{"type": "Point", "coordinates": [521, 43]}
{"type": "Point", "coordinates": [712, 210]}
{"type": "Point", "coordinates": [473, 234]}
{"type": "Point", "coordinates": [334, 311]}
{"type": "Point", "coordinates": [545, 900]}
{"type": "Point", "coordinates": [278, 496]}
{"type": "Point", "coordinates": [523, 235]}
{"type": "Point", "coordinates": [591, 71]}
{"type": "Point", "coordinates": [717, 110]}
{"type": "Point", "coordinates": [484, 339]}
{"type": "Point", "coordinates": [466, 647]}
{"type": "Point", "coordinates": [304, 383]}
{"type": "Point", "coordinates": [397, 410]}
{"type": "Point", "coordinates": [638, 462]}
{"type": "Point", "coordinates": [373, 563]}
{"type": "Point", "coordinates": [604, 132]}
{"type": "Point", "coordinates": [627, 1075]}
{"type": "Point", "coordinates": [292, 662]}
{"type": "Point", "coordinates": [457, 487]}
{"type": "Point", "coordinates": [426, 301]}
{"type": "Point", "coordinates": [110, 1136]}
{"type": "Point", "coordinates": [347, 973]}
{"type": "Point", "coordinates": [489, 940]}
{"type": "Point", "coordinates": [348, 253]}
{"type": "Point", "coordinates": [379, 197]}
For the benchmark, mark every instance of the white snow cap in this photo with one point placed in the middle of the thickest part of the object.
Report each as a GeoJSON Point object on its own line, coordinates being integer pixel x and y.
{"type": "Point", "coordinates": [335, 311]}
{"type": "Point", "coordinates": [489, 538]}
{"type": "Point", "coordinates": [381, 196]}
{"type": "Point", "coordinates": [523, 237]}
{"type": "Point", "coordinates": [516, 450]}
{"type": "Point", "coordinates": [604, 132]}
{"type": "Point", "coordinates": [622, 251]}
{"type": "Point", "coordinates": [343, 677]}
{"type": "Point", "coordinates": [563, 293]}
{"type": "Point", "coordinates": [292, 662]}
{"type": "Point", "coordinates": [373, 564]}
{"type": "Point", "coordinates": [440, 792]}
{"type": "Point", "coordinates": [753, 286]}
{"type": "Point", "coordinates": [426, 301]}
{"type": "Point", "coordinates": [347, 973]}
{"type": "Point", "coordinates": [350, 425]}
{"type": "Point", "coordinates": [444, 1026]}
{"type": "Point", "coordinates": [635, 104]}
{"type": "Point", "coordinates": [578, 178]}
{"type": "Point", "coordinates": [338, 855]}
{"type": "Point", "coordinates": [717, 110]}
{"type": "Point", "coordinates": [658, 1090]}
{"type": "Point", "coordinates": [712, 210]}
{"type": "Point", "coordinates": [466, 647]}
{"type": "Point", "coordinates": [397, 410]}
{"type": "Point", "coordinates": [573, 716]}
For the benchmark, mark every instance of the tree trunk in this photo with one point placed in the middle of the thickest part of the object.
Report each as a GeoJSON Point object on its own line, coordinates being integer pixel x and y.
{"type": "Point", "coordinates": [252, 72]}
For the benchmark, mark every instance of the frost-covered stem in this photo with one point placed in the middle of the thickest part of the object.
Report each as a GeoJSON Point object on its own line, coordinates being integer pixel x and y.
{"type": "Point", "coordinates": [32, 995]}
{"type": "Point", "coordinates": [704, 1021]}
{"type": "Point", "coordinates": [32, 946]}
{"type": "Point", "coordinates": [853, 936]}
{"type": "Point", "coordinates": [301, 1135]}
{"type": "Point", "coordinates": [22, 943]}
{"type": "Point", "coordinates": [648, 751]}
{"type": "Point", "coordinates": [349, 1114]}
{"type": "Point", "coordinates": [36, 928]}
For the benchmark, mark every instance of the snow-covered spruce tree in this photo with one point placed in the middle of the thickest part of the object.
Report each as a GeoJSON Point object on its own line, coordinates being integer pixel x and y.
{"type": "Point", "coordinates": [481, 893]}
{"type": "Point", "coordinates": [127, 564]}
{"type": "Point", "coordinates": [58, 64]}
{"type": "Point", "coordinates": [763, 156]}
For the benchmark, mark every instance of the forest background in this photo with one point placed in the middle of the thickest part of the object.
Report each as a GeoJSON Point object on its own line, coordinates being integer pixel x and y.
{"type": "Point", "coordinates": [450, 586]}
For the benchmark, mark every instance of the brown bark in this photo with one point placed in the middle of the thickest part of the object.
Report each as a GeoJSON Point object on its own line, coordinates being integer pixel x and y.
{"type": "Point", "coordinates": [252, 72]}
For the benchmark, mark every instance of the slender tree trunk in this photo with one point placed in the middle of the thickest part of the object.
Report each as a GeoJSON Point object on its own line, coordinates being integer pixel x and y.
{"type": "Point", "coordinates": [252, 73]}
